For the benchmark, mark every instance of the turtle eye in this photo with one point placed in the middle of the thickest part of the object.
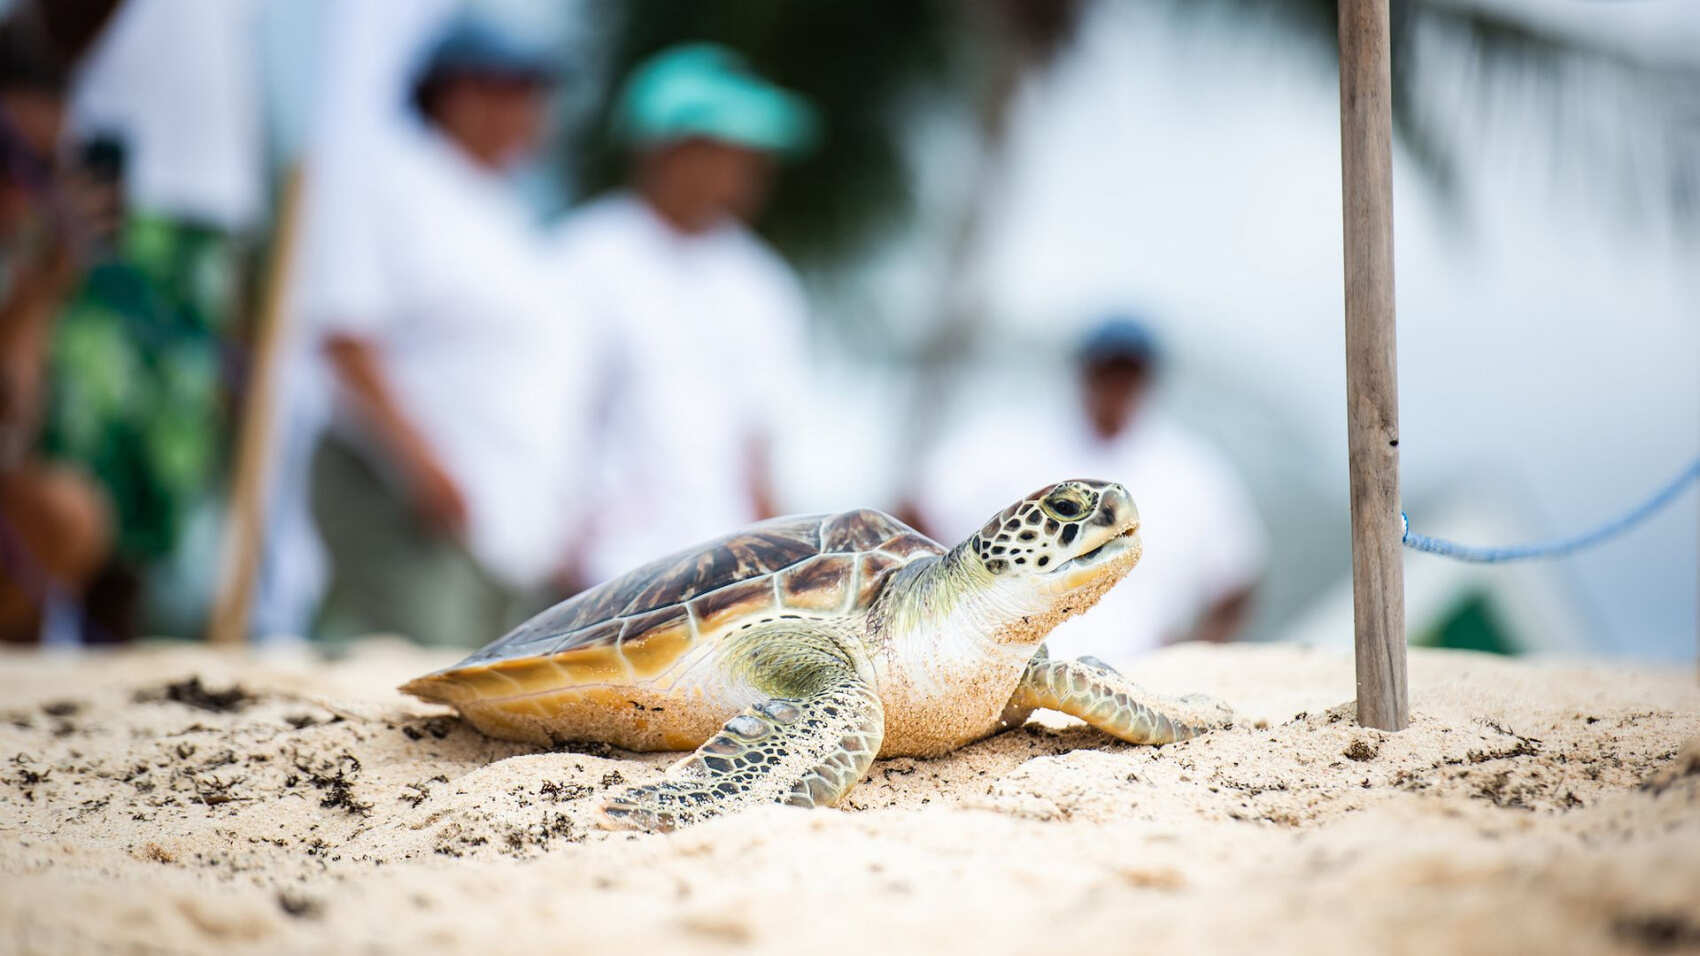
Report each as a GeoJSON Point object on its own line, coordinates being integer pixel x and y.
{"type": "Point", "coordinates": [1065, 506]}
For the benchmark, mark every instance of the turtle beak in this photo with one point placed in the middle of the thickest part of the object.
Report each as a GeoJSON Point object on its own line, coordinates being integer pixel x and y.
{"type": "Point", "coordinates": [1116, 510]}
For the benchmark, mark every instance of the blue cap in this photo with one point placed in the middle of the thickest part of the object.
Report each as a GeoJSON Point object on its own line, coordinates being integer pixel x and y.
{"type": "Point", "coordinates": [706, 90]}
{"type": "Point", "coordinates": [473, 44]}
{"type": "Point", "coordinates": [1119, 337]}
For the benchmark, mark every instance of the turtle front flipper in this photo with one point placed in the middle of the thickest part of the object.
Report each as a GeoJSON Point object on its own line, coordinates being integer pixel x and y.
{"type": "Point", "coordinates": [806, 746]}
{"type": "Point", "coordinates": [1093, 691]}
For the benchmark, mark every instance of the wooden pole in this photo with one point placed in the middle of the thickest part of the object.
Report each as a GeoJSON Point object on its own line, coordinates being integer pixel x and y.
{"type": "Point", "coordinates": [245, 524]}
{"type": "Point", "coordinates": [1372, 393]}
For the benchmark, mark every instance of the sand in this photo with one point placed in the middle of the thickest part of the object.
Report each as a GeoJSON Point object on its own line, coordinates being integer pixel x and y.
{"type": "Point", "coordinates": [174, 799]}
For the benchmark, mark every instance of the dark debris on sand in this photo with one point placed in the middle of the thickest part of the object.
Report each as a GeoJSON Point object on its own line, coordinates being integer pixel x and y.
{"type": "Point", "coordinates": [435, 727]}
{"type": "Point", "coordinates": [334, 778]}
{"type": "Point", "coordinates": [192, 693]}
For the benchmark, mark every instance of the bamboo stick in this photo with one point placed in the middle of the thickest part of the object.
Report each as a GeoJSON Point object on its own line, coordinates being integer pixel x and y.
{"type": "Point", "coordinates": [245, 524]}
{"type": "Point", "coordinates": [1372, 394]}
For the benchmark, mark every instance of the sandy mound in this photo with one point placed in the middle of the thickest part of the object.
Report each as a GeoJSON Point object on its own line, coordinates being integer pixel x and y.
{"type": "Point", "coordinates": [180, 800]}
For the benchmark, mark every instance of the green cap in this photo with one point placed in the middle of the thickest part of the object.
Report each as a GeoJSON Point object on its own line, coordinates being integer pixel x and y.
{"type": "Point", "coordinates": [705, 90]}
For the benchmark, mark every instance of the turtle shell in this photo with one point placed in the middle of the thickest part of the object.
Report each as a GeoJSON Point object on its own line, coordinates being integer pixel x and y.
{"type": "Point", "coordinates": [635, 625]}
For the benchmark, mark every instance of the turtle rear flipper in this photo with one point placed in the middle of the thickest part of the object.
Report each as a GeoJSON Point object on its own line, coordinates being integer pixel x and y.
{"type": "Point", "coordinates": [805, 747]}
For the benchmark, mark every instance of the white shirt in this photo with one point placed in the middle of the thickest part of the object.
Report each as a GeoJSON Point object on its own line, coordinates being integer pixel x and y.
{"type": "Point", "coordinates": [179, 81]}
{"type": "Point", "coordinates": [701, 339]}
{"type": "Point", "coordinates": [1203, 539]}
{"type": "Point", "coordinates": [438, 266]}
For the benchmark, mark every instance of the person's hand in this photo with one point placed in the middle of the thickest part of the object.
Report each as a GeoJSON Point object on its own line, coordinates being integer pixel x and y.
{"type": "Point", "coordinates": [40, 284]}
{"type": "Point", "coordinates": [436, 495]}
{"type": "Point", "coordinates": [94, 208]}
{"type": "Point", "coordinates": [42, 278]}
{"type": "Point", "coordinates": [79, 225]}
{"type": "Point", "coordinates": [568, 578]}
{"type": "Point", "coordinates": [910, 513]}
{"type": "Point", "coordinates": [438, 498]}
{"type": "Point", "coordinates": [758, 470]}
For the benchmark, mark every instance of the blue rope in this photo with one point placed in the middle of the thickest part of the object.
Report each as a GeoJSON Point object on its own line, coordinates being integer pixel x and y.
{"type": "Point", "coordinates": [1551, 549]}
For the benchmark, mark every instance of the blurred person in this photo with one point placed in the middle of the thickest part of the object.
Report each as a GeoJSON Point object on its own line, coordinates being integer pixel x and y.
{"type": "Point", "coordinates": [55, 522]}
{"type": "Point", "coordinates": [133, 383]}
{"type": "Point", "coordinates": [1204, 543]}
{"type": "Point", "coordinates": [702, 322]}
{"type": "Point", "coordinates": [443, 483]}
{"type": "Point", "coordinates": [339, 77]}
{"type": "Point", "coordinates": [169, 95]}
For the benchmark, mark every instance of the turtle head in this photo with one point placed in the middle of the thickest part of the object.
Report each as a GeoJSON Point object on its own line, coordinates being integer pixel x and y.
{"type": "Point", "coordinates": [1052, 554]}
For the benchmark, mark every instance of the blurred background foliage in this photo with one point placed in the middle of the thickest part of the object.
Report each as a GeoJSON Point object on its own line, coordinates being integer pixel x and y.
{"type": "Point", "coordinates": [1505, 64]}
{"type": "Point", "coordinates": [866, 64]}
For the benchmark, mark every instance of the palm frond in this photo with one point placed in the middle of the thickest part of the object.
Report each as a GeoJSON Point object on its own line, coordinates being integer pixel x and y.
{"type": "Point", "coordinates": [1624, 125]}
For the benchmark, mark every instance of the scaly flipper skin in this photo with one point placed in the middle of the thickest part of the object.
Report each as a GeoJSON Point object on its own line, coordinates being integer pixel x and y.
{"type": "Point", "coordinates": [1093, 691]}
{"type": "Point", "coordinates": [806, 746]}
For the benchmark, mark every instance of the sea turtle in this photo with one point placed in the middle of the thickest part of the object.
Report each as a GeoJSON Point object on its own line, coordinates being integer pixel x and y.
{"type": "Point", "coordinates": [791, 654]}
